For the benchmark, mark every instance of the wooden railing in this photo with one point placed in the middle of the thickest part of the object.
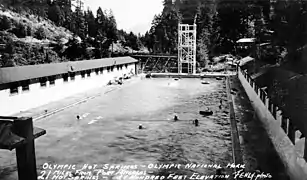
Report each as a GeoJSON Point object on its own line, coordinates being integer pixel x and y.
{"type": "Point", "coordinates": [287, 125]}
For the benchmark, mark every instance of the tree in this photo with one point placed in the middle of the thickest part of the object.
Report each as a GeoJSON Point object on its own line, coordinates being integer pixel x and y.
{"type": "Point", "coordinates": [90, 20]}
{"type": "Point", "coordinates": [40, 33]}
{"type": "Point", "coordinates": [232, 24]}
{"type": "Point", "coordinates": [111, 29]}
{"type": "Point", "coordinates": [289, 26]}
{"type": "Point", "coordinates": [56, 14]}
{"type": "Point", "coordinates": [80, 23]}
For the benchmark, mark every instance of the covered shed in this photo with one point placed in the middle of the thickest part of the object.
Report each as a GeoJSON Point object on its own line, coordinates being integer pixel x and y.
{"type": "Point", "coordinates": [288, 91]}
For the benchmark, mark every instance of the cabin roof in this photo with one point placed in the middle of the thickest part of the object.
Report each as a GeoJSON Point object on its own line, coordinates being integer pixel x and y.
{"type": "Point", "coordinates": [21, 73]}
{"type": "Point", "coordinates": [246, 40]}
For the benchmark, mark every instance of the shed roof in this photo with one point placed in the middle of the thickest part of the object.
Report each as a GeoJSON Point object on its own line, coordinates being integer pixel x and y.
{"type": "Point", "coordinates": [246, 40]}
{"type": "Point", "coordinates": [294, 99]}
{"type": "Point", "coordinates": [20, 73]}
{"type": "Point", "coordinates": [287, 90]}
{"type": "Point", "coordinates": [274, 73]}
{"type": "Point", "coordinates": [245, 60]}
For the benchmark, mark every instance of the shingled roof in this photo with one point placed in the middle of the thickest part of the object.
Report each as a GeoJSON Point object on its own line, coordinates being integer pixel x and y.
{"type": "Point", "coordinates": [20, 73]}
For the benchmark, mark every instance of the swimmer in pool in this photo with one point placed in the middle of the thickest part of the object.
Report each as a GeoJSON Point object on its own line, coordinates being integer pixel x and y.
{"type": "Point", "coordinates": [195, 122]}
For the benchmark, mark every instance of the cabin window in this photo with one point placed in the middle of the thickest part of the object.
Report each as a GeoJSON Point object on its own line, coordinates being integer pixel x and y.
{"type": "Point", "coordinates": [43, 82]}
{"type": "Point", "coordinates": [82, 74]}
{"type": "Point", "coordinates": [65, 77]}
{"type": "Point", "coordinates": [52, 80]}
{"type": "Point", "coordinates": [14, 88]}
{"type": "Point", "coordinates": [72, 76]}
{"type": "Point", "coordinates": [25, 85]}
{"type": "Point", "coordinates": [88, 73]}
{"type": "Point", "coordinates": [97, 71]}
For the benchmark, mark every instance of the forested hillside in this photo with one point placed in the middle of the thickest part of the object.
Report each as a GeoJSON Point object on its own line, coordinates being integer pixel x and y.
{"type": "Point", "coordinates": [280, 24]}
{"type": "Point", "coordinates": [45, 31]}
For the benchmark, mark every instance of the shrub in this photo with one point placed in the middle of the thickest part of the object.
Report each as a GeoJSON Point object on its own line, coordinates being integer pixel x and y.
{"type": "Point", "coordinates": [5, 23]}
{"type": "Point", "coordinates": [29, 31]}
{"type": "Point", "coordinates": [20, 30]}
{"type": "Point", "coordinates": [40, 33]}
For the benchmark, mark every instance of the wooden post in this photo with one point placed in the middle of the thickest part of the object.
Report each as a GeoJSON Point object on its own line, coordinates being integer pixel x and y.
{"type": "Point", "coordinates": [291, 131]}
{"type": "Point", "coordinates": [274, 111]}
{"type": "Point", "coordinates": [263, 98]}
{"type": "Point", "coordinates": [266, 100]}
{"type": "Point", "coordinates": [284, 124]}
{"type": "Point", "coordinates": [305, 150]}
{"type": "Point", "coordinates": [25, 154]}
{"type": "Point", "coordinates": [270, 106]}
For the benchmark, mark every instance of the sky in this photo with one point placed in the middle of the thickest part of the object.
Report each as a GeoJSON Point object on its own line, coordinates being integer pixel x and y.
{"type": "Point", "coordinates": [130, 15]}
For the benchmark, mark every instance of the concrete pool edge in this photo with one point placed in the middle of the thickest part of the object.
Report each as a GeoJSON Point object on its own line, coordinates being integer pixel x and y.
{"type": "Point", "coordinates": [184, 75]}
{"type": "Point", "coordinates": [236, 148]}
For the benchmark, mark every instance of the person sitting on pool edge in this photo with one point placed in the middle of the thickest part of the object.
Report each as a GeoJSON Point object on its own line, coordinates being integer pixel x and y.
{"type": "Point", "coordinates": [175, 118]}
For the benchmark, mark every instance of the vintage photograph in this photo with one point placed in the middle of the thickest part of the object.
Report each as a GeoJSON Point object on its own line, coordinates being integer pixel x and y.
{"type": "Point", "coordinates": [153, 89]}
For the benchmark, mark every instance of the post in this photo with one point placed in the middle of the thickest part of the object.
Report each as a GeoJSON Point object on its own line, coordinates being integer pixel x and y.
{"type": "Point", "coordinates": [25, 154]}
{"type": "Point", "coordinates": [270, 105]}
{"type": "Point", "coordinates": [291, 131]}
{"type": "Point", "coordinates": [284, 123]}
{"type": "Point", "coordinates": [305, 150]}
{"type": "Point", "coordinates": [256, 88]}
{"type": "Point", "coordinates": [274, 111]}
{"type": "Point", "coordinates": [265, 99]}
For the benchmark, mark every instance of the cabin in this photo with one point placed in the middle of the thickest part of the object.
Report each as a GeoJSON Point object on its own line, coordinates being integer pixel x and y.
{"type": "Point", "coordinates": [26, 87]}
{"type": "Point", "coordinates": [245, 46]}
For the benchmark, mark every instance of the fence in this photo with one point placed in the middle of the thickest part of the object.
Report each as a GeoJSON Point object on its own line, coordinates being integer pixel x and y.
{"type": "Point", "coordinates": [286, 124]}
{"type": "Point", "coordinates": [279, 128]}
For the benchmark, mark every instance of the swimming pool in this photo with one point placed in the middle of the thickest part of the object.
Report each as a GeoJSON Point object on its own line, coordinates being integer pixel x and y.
{"type": "Point", "coordinates": [108, 131]}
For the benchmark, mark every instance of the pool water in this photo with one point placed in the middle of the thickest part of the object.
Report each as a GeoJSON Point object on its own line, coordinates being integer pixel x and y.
{"type": "Point", "coordinates": [113, 136]}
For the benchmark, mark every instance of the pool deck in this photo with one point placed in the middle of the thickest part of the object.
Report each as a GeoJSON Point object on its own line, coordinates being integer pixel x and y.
{"type": "Point", "coordinates": [185, 75]}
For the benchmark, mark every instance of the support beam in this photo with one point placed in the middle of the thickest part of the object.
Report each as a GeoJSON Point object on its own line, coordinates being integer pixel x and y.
{"type": "Point", "coordinates": [284, 124]}
{"type": "Point", "coordinates": [165, 65]}
{"type": "Point", "coordinates": [270, 105]}
{"type": "Point", "coordinates": [291, 131]}
{"type": "Point", "coordinates": [26, 161]}
{"type": "Point", "coordinates": [305, 150]}
{"type": "Point", "coordinates": [156, 63]}
{"type": "Point", "coordinates": [274, 112]}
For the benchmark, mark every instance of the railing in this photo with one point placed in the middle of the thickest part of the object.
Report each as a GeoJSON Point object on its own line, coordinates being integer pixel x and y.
{"type": "Point", "coordinates": [286, 124]}
{"type": "Point", "coordinates": [279, 128]}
